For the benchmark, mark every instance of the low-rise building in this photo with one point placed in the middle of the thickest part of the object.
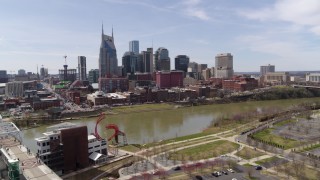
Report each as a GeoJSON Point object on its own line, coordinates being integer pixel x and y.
{"type": "Point", "coordinates": [66, 147]}
{"type": "Point", "coordinates": [111, 85]}
{"type": "Point", "coordinates": [276, 78]}
{"type": "Point", "coordinates": [313, 77]}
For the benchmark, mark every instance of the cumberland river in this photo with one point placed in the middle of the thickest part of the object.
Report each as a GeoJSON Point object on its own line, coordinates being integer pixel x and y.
{"type": "Point", "coordinates": [145, 127]}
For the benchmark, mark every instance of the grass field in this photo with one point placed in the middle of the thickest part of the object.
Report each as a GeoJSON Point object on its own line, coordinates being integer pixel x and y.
{"type": "Point", "coordinates": [310, 148]}
{"type": "Point", "coordinates": [267, 135]}
{"type": "Point", "coordinates": [285, 122]}
{"type": "Point", "coordinates": [305, 172]}
{"type": "Point", "coordinates": [205, 151]}
{"type": "Point", "coordinates": [267, 160]}
{"type": "Point", "coordinates": [249, 153]}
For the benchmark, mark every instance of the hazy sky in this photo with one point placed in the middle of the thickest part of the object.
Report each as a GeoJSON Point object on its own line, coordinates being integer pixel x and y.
{"type": "Point", "coordinates": [257, 32]}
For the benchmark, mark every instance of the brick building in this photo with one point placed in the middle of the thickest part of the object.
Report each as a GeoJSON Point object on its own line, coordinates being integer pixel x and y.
{"type": "Point", "coordinates": [169, 79]}
{"type": "Point", "coordinates": [110, 85]}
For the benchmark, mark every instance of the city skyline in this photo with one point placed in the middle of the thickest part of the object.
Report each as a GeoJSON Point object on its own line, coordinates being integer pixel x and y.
{"type": "Point", "coordinates": [284, 33]}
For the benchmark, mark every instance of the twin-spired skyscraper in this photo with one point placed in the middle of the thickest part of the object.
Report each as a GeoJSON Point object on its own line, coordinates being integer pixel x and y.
{"type": "Point", "coordinates": [108, 62]}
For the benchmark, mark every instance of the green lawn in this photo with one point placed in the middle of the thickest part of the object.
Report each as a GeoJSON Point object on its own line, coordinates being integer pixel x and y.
{"type": "Point", "coordinates": [130, 148]}
{"type": "Point", "coordinates": [267, 135]}
{"type": "Point", "coordinates": [205, 151]}
{"type": "Point", "coordinates": [267, 160]}
{"type": "Point", "coordinates": [249, 153]}
{"type": "Point", "coordinates": [177, 139]}
{"type": "Point", "coordinates": [285, 122]}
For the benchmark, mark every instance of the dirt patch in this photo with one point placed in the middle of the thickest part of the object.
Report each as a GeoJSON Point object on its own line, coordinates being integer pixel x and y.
{"type": "Point", "coordinates": [301, 130]}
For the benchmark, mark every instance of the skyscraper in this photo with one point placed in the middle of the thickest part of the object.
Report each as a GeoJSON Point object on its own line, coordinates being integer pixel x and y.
{"type": "Point", "coordinates": [266, 69]}
{"type": "Point", "coordinates": [108, 62]}
{"type": "Point", "coordinates": [147, 60]}
{"type": "Point", "coordinates": [130, 63]}
{"type": "Point", "coordinates": [181, 63]}
{"type": "Point", "coordinates": [93, 76]}
{"type": "Point", "coordinates": [224, 65]}
{"type": "Point", "coordinates": [82, 68]}
{"type": "Point", "coordinates": [134, 46]}
{"type": "Point", "coordinates": [162, 59]}
{"type": "Point", "coordinates": [21, 72]}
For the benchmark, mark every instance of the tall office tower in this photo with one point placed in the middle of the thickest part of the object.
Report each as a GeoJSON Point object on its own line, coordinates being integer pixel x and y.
{"type": "Point", "coordinates": [147, 60]}
{"type": "Point", "coordinates": [224, 66]}
{"type": "Point", "coordinates": [82, 68]}
{"type": "Point", "coordinates": [21, 72]}
{"type": "Point", "coordinates": [3, 76]}
{"type": "Point", "coordinates": [162, 59]}
{"type": "Point", "coordinates": [130, 63]}
{"type": "Point", "coordinates": [108, 62]}
{"type": "Point", "coordinates": [193, 67]}
{"type": "Point", "coordinates": [93, 76]}
{"type": "Point", "coordinates": [202, 67]}
{"type": "Point", "coordinates": [181, 62]}
{"type": "Point", "coordinates": [134, 46]}
{"type": "Point", "coordinates": [266, 69]}
{"type": "Point", "coordinates": [42, 72]}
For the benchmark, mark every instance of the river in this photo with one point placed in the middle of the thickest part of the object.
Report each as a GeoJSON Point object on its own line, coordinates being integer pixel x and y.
{"type": "Point", "coordinates": [145, 127]}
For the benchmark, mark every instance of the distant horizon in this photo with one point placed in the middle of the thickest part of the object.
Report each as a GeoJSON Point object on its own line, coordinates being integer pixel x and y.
{"type": "Point", "coordinates": [285, 33]}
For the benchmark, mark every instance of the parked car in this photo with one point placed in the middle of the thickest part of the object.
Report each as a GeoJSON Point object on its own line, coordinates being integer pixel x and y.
{"type": "Point", "coordinates": [215, 174]}
{"type": "Point", "coordinates": [224, 172]}
{"type": "Point", "coordinates": [230, 170]}
{"type": "Point", "coordinates": [258, 167]}
{"type": "Point", "coordinates": [199, 177]}
{"type": "Point", "coordinates": [178, 168]}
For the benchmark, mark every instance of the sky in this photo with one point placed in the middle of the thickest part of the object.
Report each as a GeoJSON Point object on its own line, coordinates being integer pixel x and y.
{"type": "Point", "coordinates": [285, 33]}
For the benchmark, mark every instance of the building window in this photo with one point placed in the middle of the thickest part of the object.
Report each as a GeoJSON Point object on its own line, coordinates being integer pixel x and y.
{"type": "Point", "coordinates": [47, 143]}
{"type": "Point", "coordinates": [43, 144]}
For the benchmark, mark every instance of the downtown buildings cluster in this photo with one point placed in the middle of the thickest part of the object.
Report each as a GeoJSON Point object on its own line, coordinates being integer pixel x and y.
{"type": "Point", "coordinates": [144, 76]}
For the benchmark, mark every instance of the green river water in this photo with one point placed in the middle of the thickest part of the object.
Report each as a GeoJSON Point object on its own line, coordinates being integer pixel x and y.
{"type": "Point", "coordinates": [145, 127]}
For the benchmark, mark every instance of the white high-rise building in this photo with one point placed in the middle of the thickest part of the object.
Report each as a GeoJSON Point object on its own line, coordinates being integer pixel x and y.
{"type": "Point", "coordinates": [224, 66]}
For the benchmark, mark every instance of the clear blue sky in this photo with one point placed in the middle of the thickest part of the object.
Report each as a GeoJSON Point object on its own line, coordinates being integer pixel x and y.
{"type": "Point", "coordinates": [257, 32]}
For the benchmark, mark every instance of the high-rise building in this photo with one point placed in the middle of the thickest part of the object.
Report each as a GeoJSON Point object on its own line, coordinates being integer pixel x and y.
{"type": "Point", "coordinates": [181, 63]}
{"type": "Point", "coordinates": [14, 89]}
{"type": "Point", "coordinates": [147, 60]}
{"type": "Point", "coordinates": [130, 63]}
{"type": "Point", "coordinates": [224, 66]}
{"type": "Point", "coordinates": [134, 46]}
{"type": "Point", "coordinates": [93, 76]}
{"type": "Point", "coordinates": [66, 74]}
{"type": "Point", "coordinates": [162, 59]}
{"type": "Point", "coordinates": [169, 79]}
{"type": "Point", "coordinates": [108, 62]}
{"type": "Point", "coordinates": [266, 69]}
{"type": "Point", "coordinates": [206, 74]}
{"type": "Point", "coordinates": [21, 72]}
{"type": "Point", "coordinates": [82, 68]}
{"type": "Point", "coordinates": [202, 67]}
{"type": "Point", "coordinates": [42, 72]}
{"type": "Point", "coordinates": [193, 67]}
{"type": "Point", "coordinates": [3, 76]}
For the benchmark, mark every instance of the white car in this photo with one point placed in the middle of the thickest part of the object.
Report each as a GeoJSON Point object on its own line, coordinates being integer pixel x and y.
{"type": "Point", "coordinates": [230, 170]}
